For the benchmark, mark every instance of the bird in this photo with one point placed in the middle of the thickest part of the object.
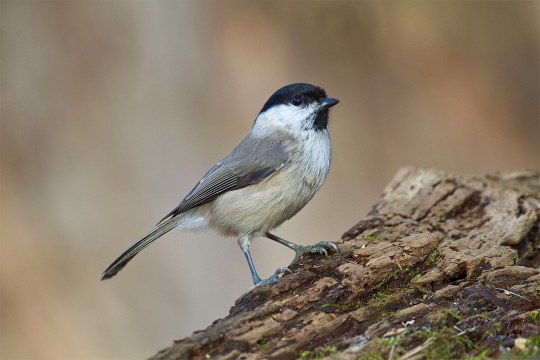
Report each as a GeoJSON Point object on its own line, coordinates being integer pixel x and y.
{"type": "Point", "coordinates": [266, 179]}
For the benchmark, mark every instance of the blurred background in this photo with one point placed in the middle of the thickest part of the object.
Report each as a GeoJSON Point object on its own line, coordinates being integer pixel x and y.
{"type": "Point", "coordinates": [112, 111]}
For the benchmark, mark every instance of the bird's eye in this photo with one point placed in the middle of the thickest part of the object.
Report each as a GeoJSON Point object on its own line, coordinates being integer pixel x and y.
{"type": "Point", "coordinates": [296, 101]}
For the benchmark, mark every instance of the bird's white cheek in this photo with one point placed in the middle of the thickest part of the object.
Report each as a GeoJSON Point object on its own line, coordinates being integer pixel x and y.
{"type": "Point", "coordinates": [290, 116]}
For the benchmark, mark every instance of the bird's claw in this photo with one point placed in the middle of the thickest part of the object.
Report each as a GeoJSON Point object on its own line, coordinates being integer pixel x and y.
{"type": "Point", "coordinates": [319, 248]}
{"type": "Point", "coordinates": [275, 277]}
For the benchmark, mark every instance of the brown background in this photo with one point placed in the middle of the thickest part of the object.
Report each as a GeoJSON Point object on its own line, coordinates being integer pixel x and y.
{"type": "Point", "coordinates": [111, 112]}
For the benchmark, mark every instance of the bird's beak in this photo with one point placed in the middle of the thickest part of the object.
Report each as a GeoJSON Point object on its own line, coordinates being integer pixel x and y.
{"type": "Point", "coordinates": [329, 102]}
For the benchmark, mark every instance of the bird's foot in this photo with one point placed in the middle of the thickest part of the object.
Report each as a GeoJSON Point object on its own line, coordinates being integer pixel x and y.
{"type": "Point", "coordinates": [319, 248]}
{"type": "Point", "coordinates": [274, 278]}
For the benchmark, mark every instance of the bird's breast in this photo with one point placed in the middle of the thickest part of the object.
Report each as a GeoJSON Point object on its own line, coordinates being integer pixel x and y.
{"type": "Point", "coordinates": [261, 207]}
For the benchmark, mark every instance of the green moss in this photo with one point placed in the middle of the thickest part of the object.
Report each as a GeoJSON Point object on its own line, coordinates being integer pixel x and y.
{"type": "Point", "coordinates": [371, 356]}
{"type": "Point", "coordinates": [389, 341]}
{"type": "Point", "coordinates": [452, 315]}
{"type": "Point", "coordinates": [388, 278]}
{"type": "Point", "coordinates": [261, 344]}
{"type": "Point", "coordinates": [371, 237]}
{"type": "Point", "coordinates": [483, 355]}
{"type": "Point", "coordinates": [341, 307]}
{"type": "Point", "coordinates": [407, 271]}
{"type": "Point", "coordinates": [444, 344]}
{"type": "Point", "coordinates": [395, 342]}
{"type": "Point", "coordinates": [534, 341]}
{"type": "Point", "coordinates": [376, 305]}
{"type": "Point", "coordinates": [431, 258]}
{"type": "Point", "coordinates": [380, 295]}
{"type": "Point", "coordinates": [533, 349]}
{"type": "Point", "coordinates": [535, 317]}
{"type": "Point", "coordinates": [414, 278]}
{"type": "Point", "coordinates": [318, 353]}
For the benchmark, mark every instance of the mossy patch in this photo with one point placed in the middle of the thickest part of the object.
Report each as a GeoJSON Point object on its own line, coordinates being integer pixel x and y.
{"type": "Point", "coordinates": [319, 353]}
{"type": "Point", "coordinates": [430, 260]}
{"type": "Point", "coordinates": [371, 237]}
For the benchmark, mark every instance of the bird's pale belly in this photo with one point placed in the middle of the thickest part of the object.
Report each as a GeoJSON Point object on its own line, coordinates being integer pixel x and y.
{"type": "Point", "coordinates": [261, 207]}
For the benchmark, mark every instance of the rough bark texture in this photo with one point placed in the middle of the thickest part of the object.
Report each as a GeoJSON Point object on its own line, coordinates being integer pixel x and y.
{"type": "Point", "coordinates": [444, 266]}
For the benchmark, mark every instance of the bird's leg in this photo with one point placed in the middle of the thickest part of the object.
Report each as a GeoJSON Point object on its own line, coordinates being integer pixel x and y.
{"type": "Point", "coordinates": [254, 275]}
{"type": "Point", "coordinates": [257, 281]}
{"type": "Point", "coordinates": [318, 248]}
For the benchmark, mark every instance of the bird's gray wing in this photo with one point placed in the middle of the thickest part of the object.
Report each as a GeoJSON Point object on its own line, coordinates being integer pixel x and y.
{"type": "Point", "coordinates": [246, 165]}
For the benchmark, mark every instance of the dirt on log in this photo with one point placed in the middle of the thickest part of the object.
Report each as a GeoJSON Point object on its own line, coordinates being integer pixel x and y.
{"type": "Point", "coordinates": [445, 266]}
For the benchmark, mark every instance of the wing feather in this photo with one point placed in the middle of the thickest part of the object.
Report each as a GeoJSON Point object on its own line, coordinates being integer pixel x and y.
{"type": "Point", "coordinates": [243, 167]}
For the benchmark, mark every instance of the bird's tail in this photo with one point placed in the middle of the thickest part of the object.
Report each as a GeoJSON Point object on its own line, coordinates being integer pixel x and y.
{"type": "Point", "coordinates": [123, 259]}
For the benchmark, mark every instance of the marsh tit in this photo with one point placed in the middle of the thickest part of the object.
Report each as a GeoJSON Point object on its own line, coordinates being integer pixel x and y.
{"type": "Point", "coordinates": [268, 178]}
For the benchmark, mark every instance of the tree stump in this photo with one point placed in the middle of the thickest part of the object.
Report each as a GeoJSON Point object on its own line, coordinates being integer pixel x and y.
{"type": "Point", "coordinates": [445, 266]}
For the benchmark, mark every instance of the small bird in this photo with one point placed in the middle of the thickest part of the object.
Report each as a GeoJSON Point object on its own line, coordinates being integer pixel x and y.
{"type": "Point", "coordinates": [268, 178]}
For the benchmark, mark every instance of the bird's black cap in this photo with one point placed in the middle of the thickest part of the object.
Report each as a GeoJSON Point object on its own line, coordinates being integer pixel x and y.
{"type": "Point", "coordinates": [287, 93]}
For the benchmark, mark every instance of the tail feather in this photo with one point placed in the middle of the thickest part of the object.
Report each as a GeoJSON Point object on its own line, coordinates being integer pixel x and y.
{"type": "Point", "coordinates": [123, 259]}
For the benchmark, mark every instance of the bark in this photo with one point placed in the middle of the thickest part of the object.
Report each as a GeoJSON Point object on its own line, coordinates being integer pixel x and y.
{"type": "Point", "coordinates": [444, 266]}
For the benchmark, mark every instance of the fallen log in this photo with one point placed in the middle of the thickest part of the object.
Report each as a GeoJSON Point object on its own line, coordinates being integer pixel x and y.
{"type": "Point", "coordinates": [444, 266]}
